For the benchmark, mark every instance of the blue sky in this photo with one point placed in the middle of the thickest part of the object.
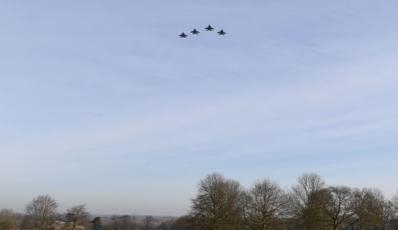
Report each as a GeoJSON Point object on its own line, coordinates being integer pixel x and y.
{"type": "Point", "coordinates": [101, 103]}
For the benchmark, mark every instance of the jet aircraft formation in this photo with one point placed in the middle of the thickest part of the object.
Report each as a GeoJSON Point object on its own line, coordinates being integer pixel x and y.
{"type": "Point", "coordinates": [208, 28]}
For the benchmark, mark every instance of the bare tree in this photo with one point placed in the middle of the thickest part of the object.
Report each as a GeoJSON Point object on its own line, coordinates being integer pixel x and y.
{"type": "Point", "coordinates": [42, 210]}
{"type": "Point", "coordinates": [267, 204]}
{"type": "Point", "coordinates": [394, 212]}
{"type": "Point", "coordinates": [338, 207]}
{"type": "Point", "coordinates": [77, 215]}
{"type": "Point", "coordinates": [219, 204]}
{"type": "Point", "coordinates": [369, 208]}
{"type": "Point", "coordinates": [308, 184]}
{"type": "Point", "coordinates": [7, 219]}
{"type": "Point", "coordinates": [306, 198]}
{"type": "Point", "coordinates": [395, 200]}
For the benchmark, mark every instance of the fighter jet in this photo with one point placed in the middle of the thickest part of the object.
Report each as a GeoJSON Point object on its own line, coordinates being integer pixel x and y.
{"type": "Point", "coordinates": [195, 32]}
{"type": "Point", "coordinates": [209, 28]}
{"type": "Point", "coordinates": [221, 32]}
{"type": "Point", "coordinates": [183, 35]}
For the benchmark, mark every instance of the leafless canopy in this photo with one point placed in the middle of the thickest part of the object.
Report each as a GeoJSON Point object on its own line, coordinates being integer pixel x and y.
{"type": "Point", "coordinates": [41, 210]}
{"type": "Point", "coordinates": [219, 203]}
{"type": "Point", "coordinates": [266, 205]}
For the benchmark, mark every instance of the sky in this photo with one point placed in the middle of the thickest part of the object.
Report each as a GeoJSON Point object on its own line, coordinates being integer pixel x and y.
{"type": "Point", "coordinates": [101, 103]}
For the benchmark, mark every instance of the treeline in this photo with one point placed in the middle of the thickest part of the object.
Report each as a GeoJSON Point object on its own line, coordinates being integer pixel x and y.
{"type": "Point", "coordinates": [41, 214]}
{"type": "Point", "coordinates": [223, 204]}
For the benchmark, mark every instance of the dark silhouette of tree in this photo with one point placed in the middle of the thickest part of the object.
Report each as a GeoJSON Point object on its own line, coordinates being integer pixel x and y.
{"type": "Point", "coordinates": [306, 204]}
{"type": "Point", "coordinates": [7, 220]}
{"type": "Point", "coordinates": [338, 207]}
{"type": "Point", "coordinates": [77, 215]}
{"type": "Point", "coordinates": [266, 206]}
{"type": "Point", "coordinates": [96, 223]}
{"type": "Point", "coordinates": [219, 204]}
{"type": "Point", "coordinates": [370, 209]}
{"type": "Point", "coordinates": [42, 210]}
